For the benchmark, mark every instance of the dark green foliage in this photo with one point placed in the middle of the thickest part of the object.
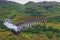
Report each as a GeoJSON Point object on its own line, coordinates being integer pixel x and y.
{"type": "Point", "coordinates": [54, 30]}
{"type": "Point", "coordinates": [34, 29]}
{"type": "Point", "coordinates": [50, 29]}
{"type": "Point", "coordinates": [37, 29]}
{"type": "Point", "coordinates": [58, 34]}
{"type": "Point", "coordinates": [56, 19]}
{"type": "Point", "coordinates": [49, 34]}
{"type": "Point", "coordinates": [3, 27]}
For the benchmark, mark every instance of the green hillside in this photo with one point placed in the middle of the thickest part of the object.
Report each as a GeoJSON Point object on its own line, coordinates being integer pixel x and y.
{"type": "Point", "coordinates": [9, 9]}
{"type": "Point", "coordinates": [31, 11]}
{"type": "Point", "coordinates": [43, 8]}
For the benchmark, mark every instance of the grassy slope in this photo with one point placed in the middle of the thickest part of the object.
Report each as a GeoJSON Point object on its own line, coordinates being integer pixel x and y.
{"type": "Point", "coordinates": [8, 36]}
{"type": "Point", "coordinates": [9, 9]}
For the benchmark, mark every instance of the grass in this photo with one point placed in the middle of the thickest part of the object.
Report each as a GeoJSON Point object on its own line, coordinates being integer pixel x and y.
{"type": "Point", "coordinates": [8, 36]}
{"type": "Point", "coordinates": [35, 36]}
{"type": "Point", "coordinates": [52, 24]}
{"type": "Point", "coordinates": [55, 25]}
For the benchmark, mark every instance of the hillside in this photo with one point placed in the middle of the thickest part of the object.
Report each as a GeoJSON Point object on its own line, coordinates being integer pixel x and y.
{"type": "Point", "coordinates": [49, 10]}
{"type": "Point", "coordinates": [31, 11]}
{"type": "Point", "coordinates": [43, 8]}
{"type": "Point", "coordinates": [17, 12]}
{"type": "Point", "coordinates": [9, 9]}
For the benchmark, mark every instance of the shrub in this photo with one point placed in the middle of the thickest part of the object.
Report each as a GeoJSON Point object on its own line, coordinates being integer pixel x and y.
{"type": "Point", "coordinates": [49, 34]}
{"type": "Point", "coordinates": [35, 29]}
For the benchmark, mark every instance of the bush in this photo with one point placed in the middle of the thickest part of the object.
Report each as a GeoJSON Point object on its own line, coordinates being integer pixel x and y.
{"type": "Point", "coordinates": [35, 29]}
{"type": "Point", "coordinates": [49, 34]}
{"type": "Point", "coordinates": [3, 27]}
{"type": "Point", "coordinates": [53, 29]}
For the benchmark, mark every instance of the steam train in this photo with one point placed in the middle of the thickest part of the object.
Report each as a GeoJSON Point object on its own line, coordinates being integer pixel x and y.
{"type": "Point", "coordinates": [8, 24]}
{"type": "Point", "coordinates": [20, 26]}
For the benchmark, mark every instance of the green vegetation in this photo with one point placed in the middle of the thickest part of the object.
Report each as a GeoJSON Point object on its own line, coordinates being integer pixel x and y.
{"type": "Point", "coordinates": [31, 11]}
{"type": "Point", "coordinates": [34, 33]}
{"type": "Point", "coordinates": [48, 32]}
{"type": "Point", "coordinates": [7, 36]}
